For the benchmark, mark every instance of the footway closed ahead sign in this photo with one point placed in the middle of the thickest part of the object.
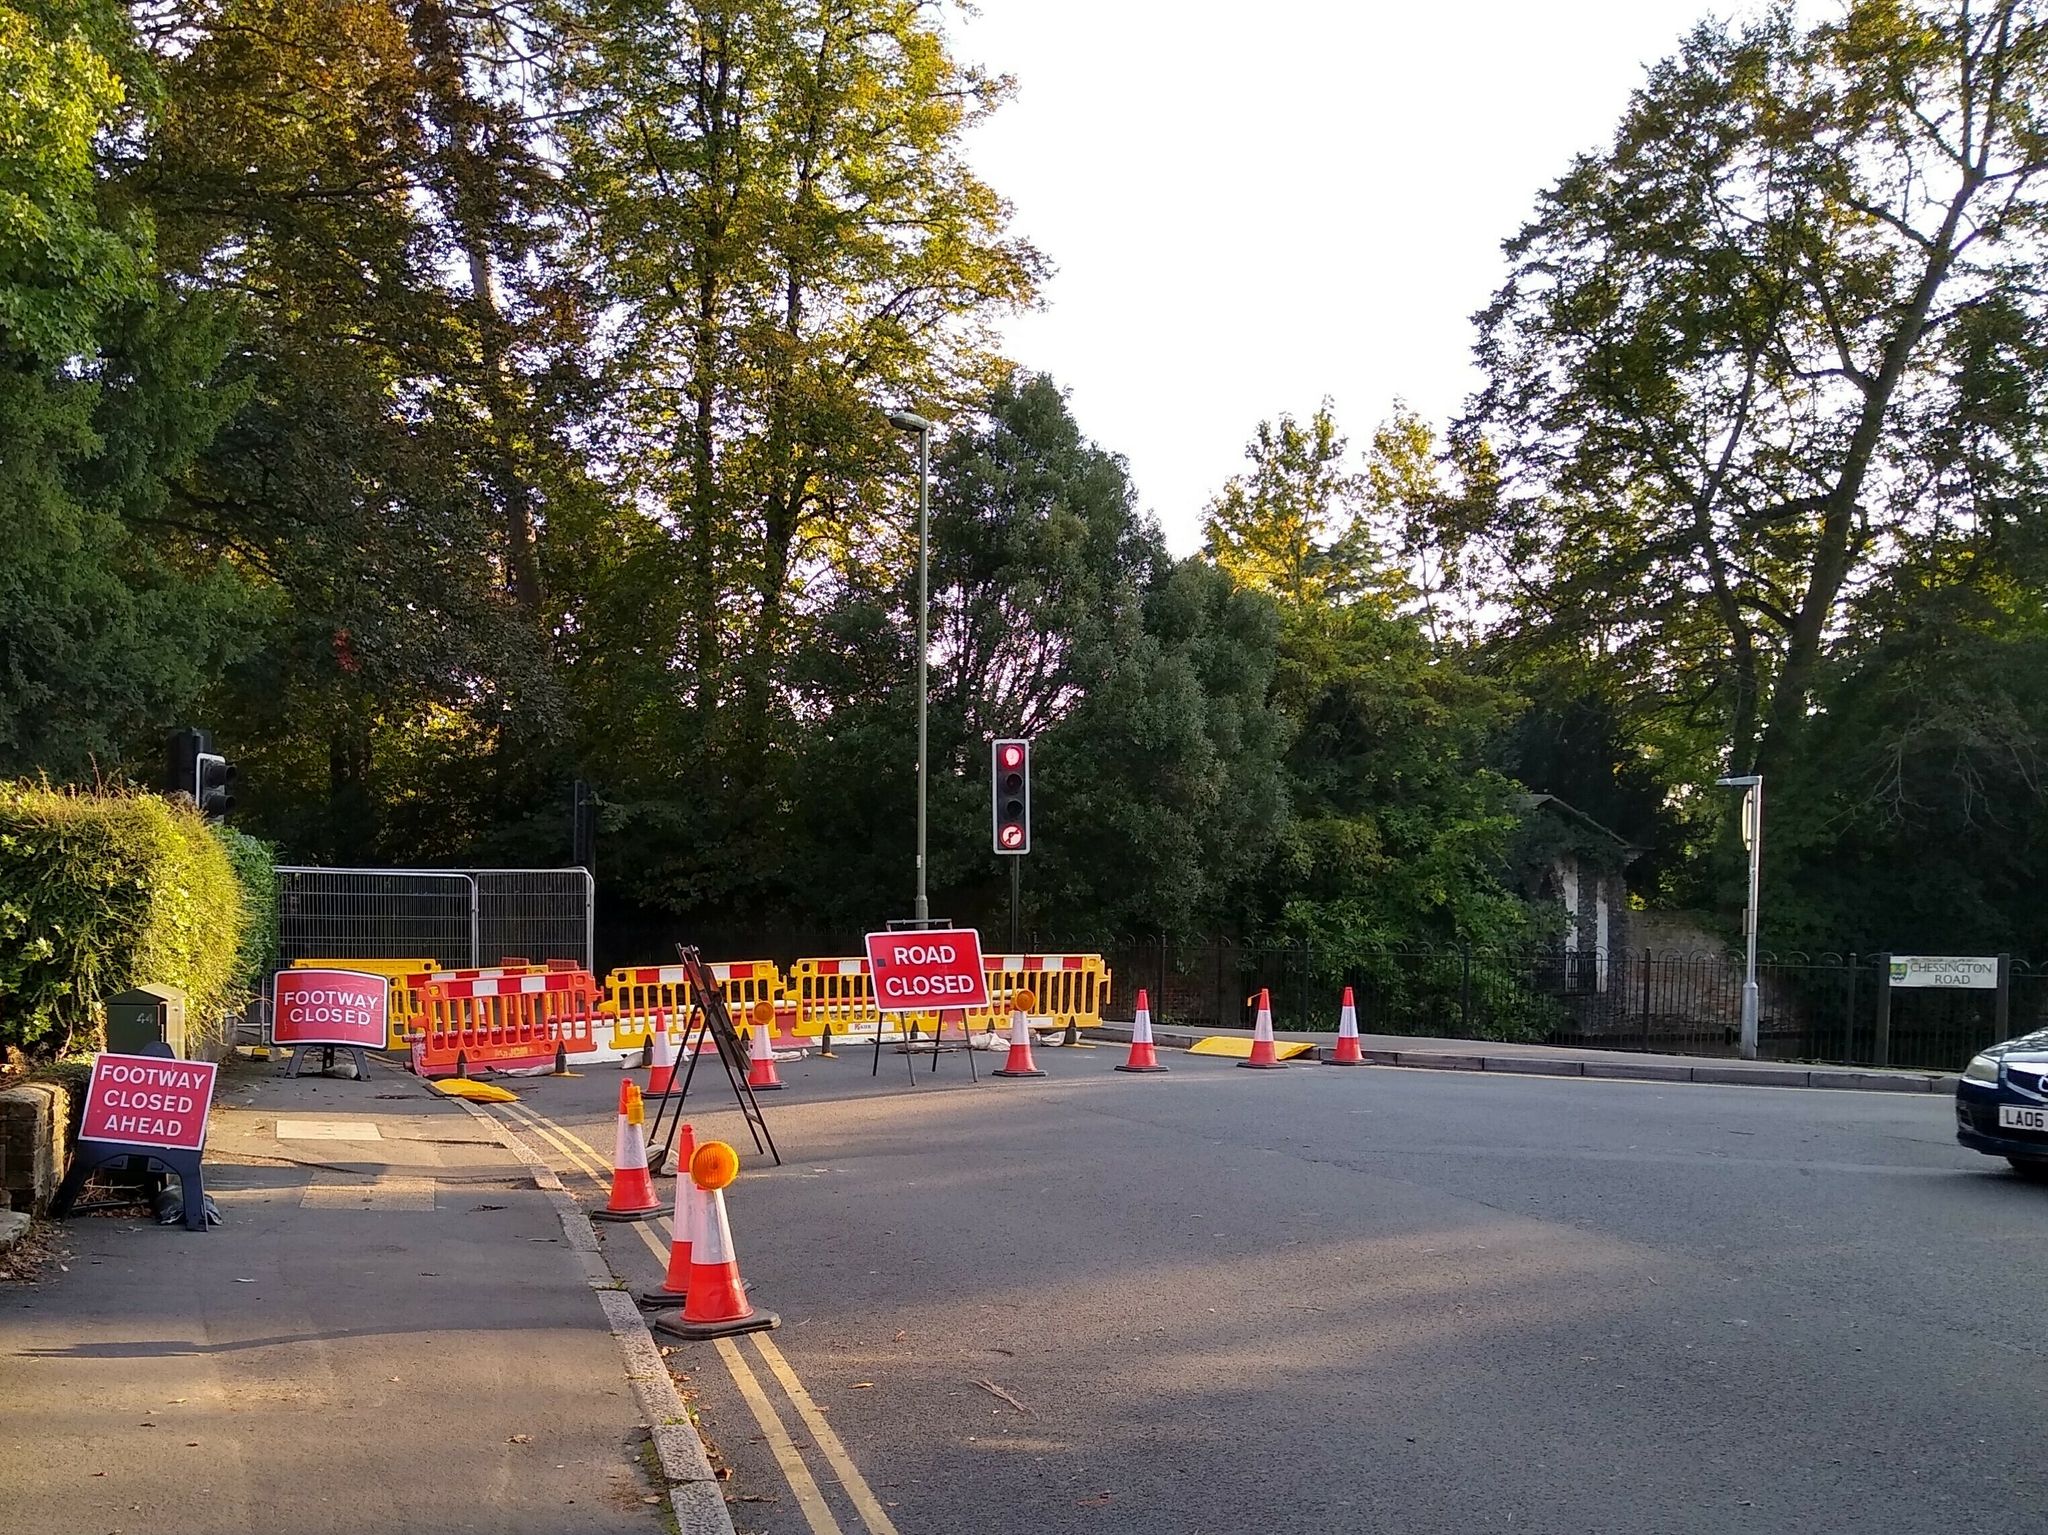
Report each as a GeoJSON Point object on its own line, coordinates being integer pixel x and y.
{"type": "Point", "coordinates": [148, 1101]}
{"type": "Point", "coordinates": [927, 971]}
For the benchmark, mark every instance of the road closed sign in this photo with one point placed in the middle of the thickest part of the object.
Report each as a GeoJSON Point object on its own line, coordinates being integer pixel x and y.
{"type": "Point", "coordinates": [149, 1101]}
{"type": "Point", "coordinates": [927, 971]}
{"type": "Point", "coordinates": [329, 1007]}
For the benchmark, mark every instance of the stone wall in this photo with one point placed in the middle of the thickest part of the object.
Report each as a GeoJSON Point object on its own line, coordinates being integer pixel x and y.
{"type": "Point", "coordinates": [35, 1119]}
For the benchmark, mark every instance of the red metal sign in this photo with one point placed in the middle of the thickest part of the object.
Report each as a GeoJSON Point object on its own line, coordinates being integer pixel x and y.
{"type": "Point", "coordinates": [148, 1100]}
{"type": "Point", "coordinates": [329, 1007]}
{"type": "Point", "coordinates": [927, 971]}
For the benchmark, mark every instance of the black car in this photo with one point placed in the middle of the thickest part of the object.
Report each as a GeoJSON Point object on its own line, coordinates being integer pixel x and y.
{"type": "Point", "coordinates": [2002, 1104]}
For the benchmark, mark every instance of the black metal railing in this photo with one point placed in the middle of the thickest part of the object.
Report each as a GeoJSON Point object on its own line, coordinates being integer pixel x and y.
{"type": "Point", "coordinates": [1824, 1007]}
{"type": "Point", "coordinates": [1810, 1007]}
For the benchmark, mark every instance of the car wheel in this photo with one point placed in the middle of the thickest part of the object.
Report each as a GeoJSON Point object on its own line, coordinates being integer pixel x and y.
{"type": "Point", "coordinates": [2033, 1169]}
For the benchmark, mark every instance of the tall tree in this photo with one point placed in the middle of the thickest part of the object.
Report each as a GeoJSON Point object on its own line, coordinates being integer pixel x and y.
{"type": "Point", "coordinates": [790, 240]}
{"type": "Point", "coordinates": [339, 172]}
{"type": "Point", "coordinates": [1715, 376]}
{"type": "Point", "coordinates": [1291, 525]}
{"type": "Point", "coordinates": [109, 621]}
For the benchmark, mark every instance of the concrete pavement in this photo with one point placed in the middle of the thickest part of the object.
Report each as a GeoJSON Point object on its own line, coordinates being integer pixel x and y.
{"type": "Point", "coordinates": [387, 1332]}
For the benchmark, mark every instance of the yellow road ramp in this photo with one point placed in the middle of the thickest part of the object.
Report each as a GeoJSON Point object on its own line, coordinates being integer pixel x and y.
{"type": "Point", "coordinates": [474, 1091]}
{"type": "Point", "coordinates": [1239, 1047]}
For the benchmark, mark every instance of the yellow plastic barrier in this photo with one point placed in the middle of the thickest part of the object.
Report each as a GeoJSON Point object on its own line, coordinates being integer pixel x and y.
{"type": "Point", "coordinates": [1069, 988]}
{"type": "Point", "coordinates": [636, 995]}
{"type": "Point", "coordinates": [835, 993]}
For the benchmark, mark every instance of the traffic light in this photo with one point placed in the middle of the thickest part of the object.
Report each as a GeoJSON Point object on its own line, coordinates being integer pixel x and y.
{"type": "Point", "coordinates": [210, 791]}
{"type": "Point", "coordinates": [1011, 779]}
{"type": "Point", "coordinates": [194, 768]}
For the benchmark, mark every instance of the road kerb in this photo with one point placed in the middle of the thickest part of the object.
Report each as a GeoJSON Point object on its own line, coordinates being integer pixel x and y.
{"type": "Point", "coordinates": [693, 1490]}
{"type": "Point", "coordinates": [1533, 1066]}
{"type": "Point", "coordinates": [1615, 1066]}
{"type": "Point", "coordinates": [1638, 1071]}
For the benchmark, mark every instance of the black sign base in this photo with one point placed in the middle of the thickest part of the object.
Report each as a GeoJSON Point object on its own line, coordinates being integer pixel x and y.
{"type": "Point", "coordinates": [327, 1060]}
{"type": "Point", "coordinates": [91, 1156]}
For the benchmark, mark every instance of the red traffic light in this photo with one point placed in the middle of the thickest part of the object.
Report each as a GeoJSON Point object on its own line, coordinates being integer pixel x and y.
{"type": "Point", "coordinates": [1010, 774]}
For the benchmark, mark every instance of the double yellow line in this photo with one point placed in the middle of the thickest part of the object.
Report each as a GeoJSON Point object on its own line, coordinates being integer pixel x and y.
{"type": "Point", "coordinates": [583, 1157]}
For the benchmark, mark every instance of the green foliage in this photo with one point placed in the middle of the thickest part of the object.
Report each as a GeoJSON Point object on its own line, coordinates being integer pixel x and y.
{"type": "Point", "coordinates": [442, 402]}
{"type": "Point", "coordinates": [100, 892]}
{"type": "Point", "coordinates": [1400, 832]}
{"type": "Point", "coordinates": [1291, 526]}
{"type": "Point", "coordinates": [106, 625]}
{"type": "Point", "coordinates": [255, 864]}
{"type": "Point", "coordinates": [63, 264]}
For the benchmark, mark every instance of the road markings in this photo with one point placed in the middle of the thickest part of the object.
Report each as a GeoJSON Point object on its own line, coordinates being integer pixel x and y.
{"type": "Point", "coordinates": [586, 1158]}
{"type": "Point", "coordinates": [864, 1499]}
{"type": "Point", "coordinates": [794, 1471]}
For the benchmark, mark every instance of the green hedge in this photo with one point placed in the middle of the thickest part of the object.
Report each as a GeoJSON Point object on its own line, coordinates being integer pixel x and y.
{"type": "Point", "coordinates": [102, 891]}
{"type": "Point", "coordinates": [255, 863]}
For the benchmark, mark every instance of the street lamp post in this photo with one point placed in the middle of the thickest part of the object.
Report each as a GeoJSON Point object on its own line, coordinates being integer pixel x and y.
{"type": "Point", "coordinates": [1752, 785]}
{"type": "Point", "coordinates": [906, 421]}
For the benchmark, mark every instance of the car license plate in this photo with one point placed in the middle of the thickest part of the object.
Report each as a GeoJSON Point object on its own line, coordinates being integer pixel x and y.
{"type": "Point", "coordinates": [2013, 1116]}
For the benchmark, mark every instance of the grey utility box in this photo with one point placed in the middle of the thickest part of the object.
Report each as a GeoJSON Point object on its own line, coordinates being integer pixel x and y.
{"type": "Point", "coordinates": [146, 1015]}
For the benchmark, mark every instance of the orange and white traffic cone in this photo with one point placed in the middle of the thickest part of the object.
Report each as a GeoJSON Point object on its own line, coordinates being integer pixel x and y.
{"type": "Point", "coordinates": [1263, 1056]}
{"type": "Point", "coordinates": [1347, 1052]}
{"type": "Point", "coordinates": [1019, 1063]}
{"type": "Point", "coordinates": [717, 1304]}
{"type": "Point", "coordinates": [661, 1072]}
{"type": "Point", "coordinates": [682, 1232]}
{"type": "Point", "coordinates": [632, 1197]}
{"type": "Point", "coordinates": [761, 1077]}
{"type": "Point", "coordinates": [1143, 1056]}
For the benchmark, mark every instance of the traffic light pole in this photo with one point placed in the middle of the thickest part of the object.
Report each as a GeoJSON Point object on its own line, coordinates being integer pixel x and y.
{"type": "Point", "coordinates": [1016, 900]}
{"type": "Point", "coordinates": [922, 910]}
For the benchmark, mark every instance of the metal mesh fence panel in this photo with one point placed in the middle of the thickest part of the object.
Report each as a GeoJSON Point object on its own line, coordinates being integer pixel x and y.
{"type": "Point", "coordinates": [375, 914]}
{"type": "Point", "coordinates": [536, 914]}
{"type": "Point", "coordinates": [454, 917]}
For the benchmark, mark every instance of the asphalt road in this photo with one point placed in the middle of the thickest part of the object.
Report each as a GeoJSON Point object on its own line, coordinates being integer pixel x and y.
{"type": "Point", "coordinates": [1379, 1300]}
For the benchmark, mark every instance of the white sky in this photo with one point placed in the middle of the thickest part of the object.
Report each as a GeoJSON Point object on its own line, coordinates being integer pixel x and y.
{"type": "Point", "coordinates": [1252, 206]}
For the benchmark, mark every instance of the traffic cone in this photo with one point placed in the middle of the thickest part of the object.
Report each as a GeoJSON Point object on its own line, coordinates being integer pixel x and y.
{"type": "Point", "coordinates": [716, 1305]}
{"type": "Point", "coordinates": [661, 1072]}
{"type": "Point", "coordinates": [1019, 1063]}
{"type": "Point", "coordinates": [1263, 1056]}
{"type": "Point", "coordinates": [761, 1077]}
{"type": "Point", "coordinates": [632, 1197]}
{"type": "Point", "coordinates": [682, 1231]}
{"type": "Point", "coordinates": [1143, 1057]}
{"type": "Point", "coordinates": [1347, 1052]}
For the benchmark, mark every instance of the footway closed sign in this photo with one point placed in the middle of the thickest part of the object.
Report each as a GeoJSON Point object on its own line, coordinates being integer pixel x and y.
{"type": "Point", "coordinates": [148, 1100]}
{"type": "Point", "coordinates": [928, 970]}
{"type": "Point", "coordinates": [328, 1007]}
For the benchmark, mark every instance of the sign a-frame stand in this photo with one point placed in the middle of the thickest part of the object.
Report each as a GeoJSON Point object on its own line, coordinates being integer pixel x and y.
{"type": "Point", "coordinates": [177, 1150]}
{"type": "Point", "coordinates": [714, 1023]}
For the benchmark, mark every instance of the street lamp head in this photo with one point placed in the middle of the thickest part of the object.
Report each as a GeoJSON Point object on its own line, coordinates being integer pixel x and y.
{"type": "Point", "coordinates": [909, 422]}
{"type": "Point", "coordinates": [1744, 781]}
